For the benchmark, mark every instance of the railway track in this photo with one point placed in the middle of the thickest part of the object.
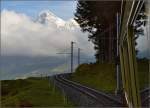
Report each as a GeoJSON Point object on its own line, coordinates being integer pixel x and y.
{"type": "Point", "coordinates": [101, 98]}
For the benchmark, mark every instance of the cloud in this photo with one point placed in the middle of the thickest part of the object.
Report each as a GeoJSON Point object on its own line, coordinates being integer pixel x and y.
{"type": "Point", "coordinates": [22, 36]}
{"type": "Point", "coordinates": [143, 43]}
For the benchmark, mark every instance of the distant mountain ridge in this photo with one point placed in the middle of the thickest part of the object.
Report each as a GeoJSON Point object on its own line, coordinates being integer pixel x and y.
{"type": "Point", "coordinates": [13, 67]}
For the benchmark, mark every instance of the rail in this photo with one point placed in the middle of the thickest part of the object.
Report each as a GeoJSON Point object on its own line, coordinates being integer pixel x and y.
{"type": "Point", "coordinates": [98, 96]}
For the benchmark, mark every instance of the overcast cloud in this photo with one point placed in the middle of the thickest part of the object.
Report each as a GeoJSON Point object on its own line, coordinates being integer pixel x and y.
{"type": "Point", "coordinates": [22, 36]}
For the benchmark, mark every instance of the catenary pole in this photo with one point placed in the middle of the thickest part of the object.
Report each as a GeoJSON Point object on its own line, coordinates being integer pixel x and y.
{"type": "Point", "coordinates": [79, 56]}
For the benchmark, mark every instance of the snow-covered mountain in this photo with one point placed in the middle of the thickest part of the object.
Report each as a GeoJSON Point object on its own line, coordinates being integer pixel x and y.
{"type": "Point", "coordinates": [48, 18]}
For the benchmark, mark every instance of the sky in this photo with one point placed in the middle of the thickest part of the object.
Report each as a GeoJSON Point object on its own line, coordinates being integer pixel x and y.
{"type": "Point", "coordinates": [61, 8]}
{"type": "Point", "coordinates": [23, 34]}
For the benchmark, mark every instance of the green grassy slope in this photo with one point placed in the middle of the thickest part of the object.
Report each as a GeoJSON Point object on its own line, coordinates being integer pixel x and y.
{"type": "Point", "coordinates": [99, 76]}
{"type": "Point", "coordinates": [31, 92]}
{"type": "Point", "coordinates": [103, 76]}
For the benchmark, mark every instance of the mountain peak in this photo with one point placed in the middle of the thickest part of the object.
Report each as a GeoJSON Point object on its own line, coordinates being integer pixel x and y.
{"type": "Point", "coordinates": [46, 17]}
{"type": "Point", "coordinates": [46, 13]}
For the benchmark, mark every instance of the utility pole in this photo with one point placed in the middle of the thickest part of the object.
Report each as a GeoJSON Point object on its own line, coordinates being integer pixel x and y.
{"type": "Point", "coordinates": [79, 56]}
{"type": "Point", "coordinates": [72, 43]}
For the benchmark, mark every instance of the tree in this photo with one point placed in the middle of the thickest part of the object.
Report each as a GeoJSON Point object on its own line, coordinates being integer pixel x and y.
{"type": "Point", "coordinates": [99, 19]}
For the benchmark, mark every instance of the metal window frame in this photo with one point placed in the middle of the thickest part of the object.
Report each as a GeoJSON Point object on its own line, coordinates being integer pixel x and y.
{"type": "Point", "coordinates": [128, 61]}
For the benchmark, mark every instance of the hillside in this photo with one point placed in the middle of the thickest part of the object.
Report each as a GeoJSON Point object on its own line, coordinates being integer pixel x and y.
{"type": "Point", "coordinates": [103, 76]}
{"type": "Point", "coordinates": [31, 92]}
{"type": "Point", "coordinates": [97, 76]}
